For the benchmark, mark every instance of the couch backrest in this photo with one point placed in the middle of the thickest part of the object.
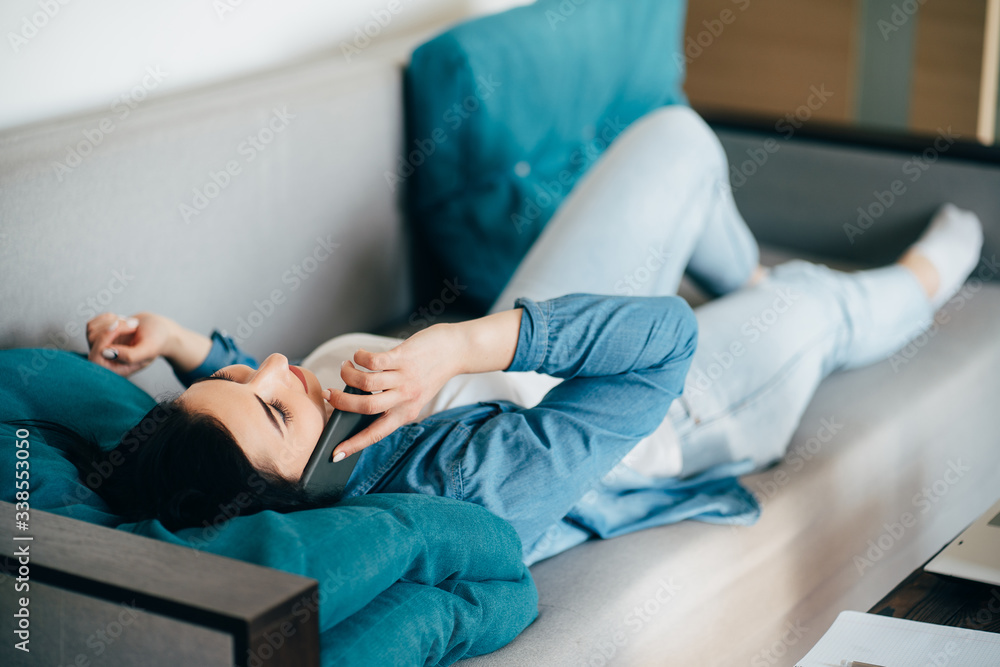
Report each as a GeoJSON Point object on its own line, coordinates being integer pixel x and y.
{"type": "Point", "coordinates": [863, 198]}
{"type": "Point", "coordinates": [259, 207]}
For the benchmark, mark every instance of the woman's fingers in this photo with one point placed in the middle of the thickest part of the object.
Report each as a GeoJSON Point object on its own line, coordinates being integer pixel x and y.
{"type": "Point", "coordinates": [104, 338]}
{"type": "Point", "coordinates": [120, 346]}
{"type": "Point", "coordinates": [378, 429]}
{"type": "Point", "coordinates": [376, 361]}
{"type": "Point", "coordinates": [109, 322]}
{"type": "Point", "coordinates": [98, 325]}
{"type": "Point", "coordinates": [366, 381]}
{"type": "Point", "coordinates": [128, 354]}
{"type": "Point", "coordinates": [364, 404]}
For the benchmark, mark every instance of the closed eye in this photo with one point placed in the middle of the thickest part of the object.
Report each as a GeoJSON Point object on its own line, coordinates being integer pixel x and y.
{"type": "Point", "coordinates": [286, 414]}
{"type": "Point", "coordinates": [278, 406]}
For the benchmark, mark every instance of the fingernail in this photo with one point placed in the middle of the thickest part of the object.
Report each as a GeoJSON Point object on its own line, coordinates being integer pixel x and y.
{"type": "Point", "coordinates": [108, 353]}
{"type": "Point", "coordinates": [326, 394]}
{"type": "Point", "coordinates": [114, 325]}
{"type": "Point", "coordinates": [338, 457]}
{"type": "Point", "coordinates": [132, 322]}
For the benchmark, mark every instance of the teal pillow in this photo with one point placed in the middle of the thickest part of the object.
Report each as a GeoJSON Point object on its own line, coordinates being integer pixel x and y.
{"type": "Point", "coordinates": [420, 578]}
{"type": "Point", "coordinates": [505, 113]}
{"type": "Point", "coordinates": [66, 389]}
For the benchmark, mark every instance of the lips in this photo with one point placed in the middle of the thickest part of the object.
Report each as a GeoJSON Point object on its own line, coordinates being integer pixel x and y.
{"type": "Point", "coordinates": [300, 375]}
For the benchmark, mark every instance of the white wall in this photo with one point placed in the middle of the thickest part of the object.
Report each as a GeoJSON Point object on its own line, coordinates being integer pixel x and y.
{"type": "Point", "coordinates": [60, 57]}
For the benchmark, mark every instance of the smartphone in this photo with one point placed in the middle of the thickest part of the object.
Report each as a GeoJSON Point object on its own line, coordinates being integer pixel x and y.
{"type": "Point", "coordinates": [321, 474]}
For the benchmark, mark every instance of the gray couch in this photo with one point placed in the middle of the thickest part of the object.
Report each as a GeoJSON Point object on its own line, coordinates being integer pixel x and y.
{"type": "Point", "coordinates": [301, 239]}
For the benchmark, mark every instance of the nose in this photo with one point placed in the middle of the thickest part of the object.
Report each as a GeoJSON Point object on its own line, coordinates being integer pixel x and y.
{"type": "Point", "coordinates": [274, 369]}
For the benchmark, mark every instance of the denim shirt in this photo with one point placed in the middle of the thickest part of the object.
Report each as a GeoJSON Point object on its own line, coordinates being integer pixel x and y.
{"type": "Point", "coordinates": [543, 469]}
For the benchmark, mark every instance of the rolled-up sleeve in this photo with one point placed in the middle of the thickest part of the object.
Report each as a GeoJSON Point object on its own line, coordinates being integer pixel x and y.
{"type": "Point", "coordinates": [582, 335]}
{"type": "Point", "coordinates": [224, 352]}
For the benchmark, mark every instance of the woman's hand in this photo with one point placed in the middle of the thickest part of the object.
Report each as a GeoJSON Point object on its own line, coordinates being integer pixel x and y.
{"type": "Point", "coordinates": [126, 345]}
{"type": "Point", "coordinates": [407, 377]}
{"type": "Point", "coordinates": [411, 374]}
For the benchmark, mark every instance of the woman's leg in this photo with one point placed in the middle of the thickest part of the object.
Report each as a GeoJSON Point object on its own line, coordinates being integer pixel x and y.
{"type": "Point", "coordinates": [761, 354]}
{"type": "Point", "coordinates": [763, 351]}
{"type": "Point", "coordinates": [658, 199]}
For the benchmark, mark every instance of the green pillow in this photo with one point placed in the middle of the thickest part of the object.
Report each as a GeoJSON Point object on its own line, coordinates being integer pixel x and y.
{"type": "Point", "coordinates": [505, 113]}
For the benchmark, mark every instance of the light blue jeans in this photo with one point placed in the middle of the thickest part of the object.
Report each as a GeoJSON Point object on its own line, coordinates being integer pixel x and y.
{"type": "Point", "coordinates": [656, 204]}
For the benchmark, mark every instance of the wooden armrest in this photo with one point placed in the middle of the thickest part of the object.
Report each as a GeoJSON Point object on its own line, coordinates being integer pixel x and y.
{"type": "Point", "coordinates": [181, 603]}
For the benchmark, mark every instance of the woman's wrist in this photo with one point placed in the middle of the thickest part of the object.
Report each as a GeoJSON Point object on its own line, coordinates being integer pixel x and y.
{"type": "Point", "coordinates": [487, 343]}
{"type": "Point", "coordinates": [185, 350]}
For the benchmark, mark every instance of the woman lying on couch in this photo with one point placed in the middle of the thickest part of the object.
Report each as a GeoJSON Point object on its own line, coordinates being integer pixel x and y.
{"type": "Point", "coordinates": [596, 445]}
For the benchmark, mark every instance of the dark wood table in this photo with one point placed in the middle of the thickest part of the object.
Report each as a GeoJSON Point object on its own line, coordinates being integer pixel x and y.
{"type": "Point", "coordinates": [935, 598]}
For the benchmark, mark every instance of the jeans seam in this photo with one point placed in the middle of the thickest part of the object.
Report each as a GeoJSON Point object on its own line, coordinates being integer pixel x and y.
{"type": "Point", "coordinates": [547, 313]}
{"type": "Point", "coordinates": [457, 481]}
{"type": "Point", "coordinates": [734, 246]}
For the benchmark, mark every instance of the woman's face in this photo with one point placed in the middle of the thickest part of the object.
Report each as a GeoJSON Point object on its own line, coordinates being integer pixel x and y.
{"type": "Point", "coordinates": [276, 413]}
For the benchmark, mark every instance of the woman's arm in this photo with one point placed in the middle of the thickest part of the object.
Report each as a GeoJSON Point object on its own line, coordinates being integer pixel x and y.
{"type": "Point", "coordinates": [126, 345]}
{"type": "Point", "coordinates": [412, 373]}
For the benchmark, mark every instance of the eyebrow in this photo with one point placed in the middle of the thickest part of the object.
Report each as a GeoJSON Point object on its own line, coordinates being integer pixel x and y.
{"type": "Point", "coordinates": [263, 405]}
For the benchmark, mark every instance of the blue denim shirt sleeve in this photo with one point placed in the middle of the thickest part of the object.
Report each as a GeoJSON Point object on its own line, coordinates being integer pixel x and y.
{"type": "Point", "coordinates": [224, 352]}
{"type": "Point", "coordinates": [587, 336]}
{"type": "Point", "coordinates": [624, 360]}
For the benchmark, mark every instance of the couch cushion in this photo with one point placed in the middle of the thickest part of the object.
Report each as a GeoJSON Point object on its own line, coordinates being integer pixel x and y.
{"type": "Point", "coordinates": [506, 112]}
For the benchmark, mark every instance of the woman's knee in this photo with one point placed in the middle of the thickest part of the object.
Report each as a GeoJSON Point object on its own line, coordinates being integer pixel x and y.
{"type": "Point", "coordinates": [680, 132]}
